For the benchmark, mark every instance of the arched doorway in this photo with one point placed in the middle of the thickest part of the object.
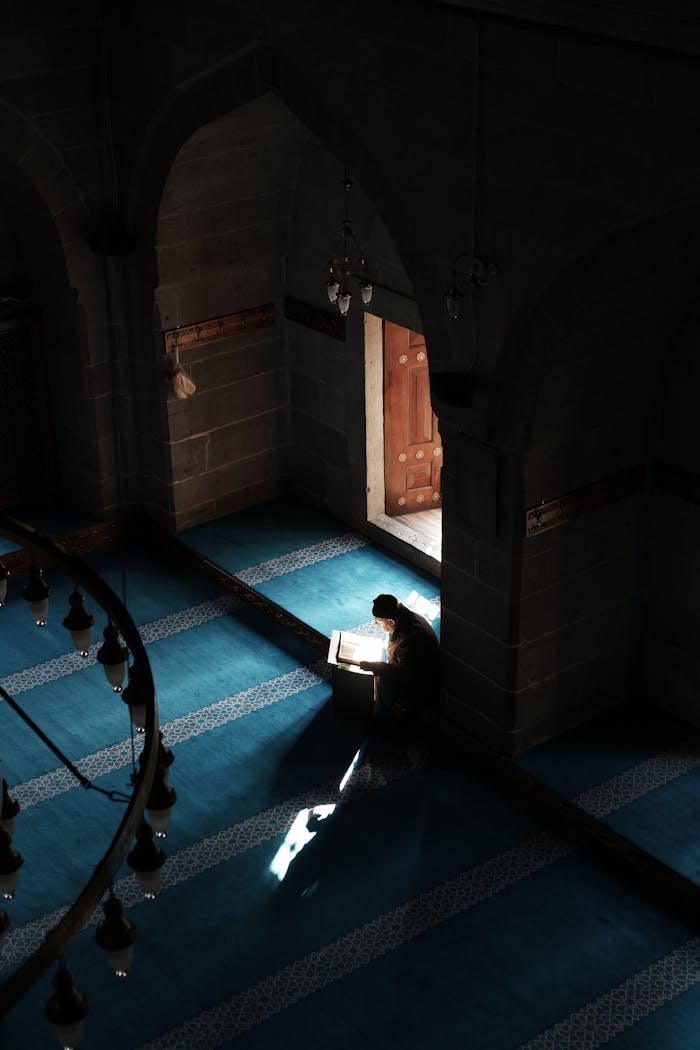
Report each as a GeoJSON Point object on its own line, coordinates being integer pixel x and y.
{"type": "Point", "coordinates": [579, 404]}
{"type": "Point", "coordinates": [47, 433]}
{"type": "Point", "coordinates": [404, 449]}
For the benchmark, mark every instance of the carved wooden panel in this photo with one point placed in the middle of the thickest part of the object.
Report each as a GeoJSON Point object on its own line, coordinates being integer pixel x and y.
{"type": "Point", "coordinates": [412, 444]}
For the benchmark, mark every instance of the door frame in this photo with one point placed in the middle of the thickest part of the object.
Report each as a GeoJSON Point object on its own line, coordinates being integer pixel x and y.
{"type": "Point", "coordinates": [374, 415]}
{"type": "Point", "coordinates": [374, 441]}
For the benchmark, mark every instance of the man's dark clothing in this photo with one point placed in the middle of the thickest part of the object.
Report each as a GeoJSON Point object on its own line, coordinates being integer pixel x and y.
{"type": "Point", "coordinates": [411, 676]}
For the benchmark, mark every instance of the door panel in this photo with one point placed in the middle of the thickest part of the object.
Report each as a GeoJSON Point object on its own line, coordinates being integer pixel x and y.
{"type": "Point", "coordinates": [412, 445]}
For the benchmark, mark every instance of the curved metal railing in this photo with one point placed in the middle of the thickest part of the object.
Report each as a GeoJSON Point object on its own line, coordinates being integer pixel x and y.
{"type": "Point", "coordinates": [77, 915]}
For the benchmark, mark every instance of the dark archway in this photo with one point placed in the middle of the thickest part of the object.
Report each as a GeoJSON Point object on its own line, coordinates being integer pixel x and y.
{"type": "Point", "coordinates": [209, 100]}
{"type": "Point", "coordinates": [579, 394]}
{"type": "Point", "coordinates": [643, 276]}
{"type": "Point", "coordinates": [236, 82]}
{"type": "Point", "coordinates": [49, 260]}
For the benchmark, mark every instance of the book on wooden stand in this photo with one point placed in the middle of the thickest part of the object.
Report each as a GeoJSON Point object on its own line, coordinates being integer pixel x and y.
{"type": "Point", "coordinates": [353, 688]}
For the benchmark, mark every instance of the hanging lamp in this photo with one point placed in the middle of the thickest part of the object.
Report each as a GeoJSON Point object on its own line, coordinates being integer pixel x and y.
{"type": "Point", "coordinates": [66, 1009]}
{"type": "Point", "coordinates": [36, 594]}
{"type": "Point", "coordinates": [146, 859]}
{"type": "Point", "coordinates": [165, 755]}
{"type": "Point", "coordinates": [10, 863]}
{"type": "Point", "coordinates": [161, 799]}
{"type": "Point", "coordinates": [67, 1006]}
{"type": "Point", "coordinates": [113, 655]}
{"type": "Point", "coordinates": [134, 698]}
{"type": "Point", "coordinates": [343, 266]}
{"type": "Point", "coordinates": [116, 936]}
{"type": "Point", "coordinates": [79, 622]}
{"type": "Point", "coordinates": [8, 812]}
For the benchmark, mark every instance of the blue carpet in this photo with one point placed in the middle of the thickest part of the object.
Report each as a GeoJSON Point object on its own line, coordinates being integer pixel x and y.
{"type": "Point", "coordinates": [310, 563]}
{"type": "Point", "coordinates": [647, 756]}
{"type": "Point", "coordinates": [431, 905]}
{"type": "Point", "coordinates": [260, 533]}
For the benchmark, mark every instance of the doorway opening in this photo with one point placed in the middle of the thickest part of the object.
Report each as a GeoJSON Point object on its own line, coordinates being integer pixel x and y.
{"type": "Point", "coordinates": [404, 450]}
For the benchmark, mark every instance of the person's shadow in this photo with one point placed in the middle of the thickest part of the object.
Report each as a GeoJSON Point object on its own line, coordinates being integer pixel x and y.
{"type": "Point", "coordinates": [344, 836]}
{"type": "Point", "coordinates": [324, 745]}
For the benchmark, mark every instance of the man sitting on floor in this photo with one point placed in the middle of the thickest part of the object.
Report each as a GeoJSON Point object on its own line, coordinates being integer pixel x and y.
{"type": "Point", "coordinates": [410, 678]}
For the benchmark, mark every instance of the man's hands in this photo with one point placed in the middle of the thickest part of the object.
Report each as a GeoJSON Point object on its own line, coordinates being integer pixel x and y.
{"type": "Point", "coordinates": [375, 666]}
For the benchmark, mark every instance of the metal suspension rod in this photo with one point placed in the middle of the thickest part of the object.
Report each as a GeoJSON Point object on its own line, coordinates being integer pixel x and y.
{"type": "Point", "coordinates": [115, 796]}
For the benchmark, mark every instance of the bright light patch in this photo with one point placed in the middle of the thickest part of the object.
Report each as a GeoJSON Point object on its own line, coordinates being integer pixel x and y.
{"type": "Point", "coordinates": [306, 823]}
{"type": "Point", "coordinates": [350, 770]}
{"type": "Point", "coordinates": [298, 836]}
{"type": "Point", "coordinates": [423, 606]}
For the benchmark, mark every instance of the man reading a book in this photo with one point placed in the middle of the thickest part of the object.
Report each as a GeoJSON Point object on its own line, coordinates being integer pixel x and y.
{"type": "Point", "coordinates": [410, 678]}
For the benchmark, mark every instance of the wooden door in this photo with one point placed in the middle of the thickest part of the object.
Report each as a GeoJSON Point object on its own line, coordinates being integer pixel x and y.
{"type": "Point", "coordinates": [412, 445]}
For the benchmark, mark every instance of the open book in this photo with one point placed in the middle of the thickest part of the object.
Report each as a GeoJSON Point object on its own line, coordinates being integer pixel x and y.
{"type": "Point", "coordinates": [351, 649]}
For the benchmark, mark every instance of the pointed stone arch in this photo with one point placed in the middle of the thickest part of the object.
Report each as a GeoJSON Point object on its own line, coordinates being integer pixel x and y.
{"type": "Point", "coordinates": [646, 273]}
{"type": "Point", "coordinates": [48, 215]}
{"type": "Point", "coordinates": [222, 91]}
{"type": "Point", "coordinates": [256, 71]}
{"type": "Point", "coordinates": [577, 403]}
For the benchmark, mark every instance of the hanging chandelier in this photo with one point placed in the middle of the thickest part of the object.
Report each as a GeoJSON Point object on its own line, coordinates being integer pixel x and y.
{"type": "Point", "coordinates": [477, 275]}
{"type": "Point", "coordinates": [344, 265]}
{"type": "Point", "coordinates": [146, 810]}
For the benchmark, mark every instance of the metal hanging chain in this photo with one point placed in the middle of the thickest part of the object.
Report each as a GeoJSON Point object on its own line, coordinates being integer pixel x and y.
{"type": "Point", "coordinates": [113, 796]}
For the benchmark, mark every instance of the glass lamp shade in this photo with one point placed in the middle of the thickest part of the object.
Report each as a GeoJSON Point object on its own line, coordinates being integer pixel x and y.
{"type": "Point", "coordinates": [82, 640]}
{"type": "Point", "coordinates": [3, 583]}
{"type": "Point", "coordinates": [8, 884]}
{"type": "Point", "coordinates": [161, 799]}
{"type": "Point", "coordinates": [149, 881]}
{"type": "Point", "coordinates": [115, 675]}
{"type": "Point", "coordinates": [66, 1009]}
{"type": "Point", "coordinates": [146, 859]}
{"type": "Point", "coordinates": [160, 820]}
{"type": "Point", "coordinates": [120, 959]}
{"type": "Point", "coordinates": [79, 622]}
{"type": "Point", "coordinates": [133, 698]}
{"type": "Point", "coordinates": [137, 713]}
{"type": "Point", "coordinates": [453, 301]}
{"type": "Point", "coordinates": [113, 655]}
{"type": "Point", "coordinates": [8, 812]}
{"type": "Point", "coordinates": [366, 290]}
{"type": "Point", "coordinates": [344, 298]}
{"type": "Point", "coordinates": [10, 863]}
{"type": "Point", "coordinates": [36, 595]}
{"type": "Point", "coordinates": [116, 936]}
{"type": "Point", "coordinates": [165, 755]}
{"type": "Point", "coordinates": [39, 612]}
{"type": "Point", "coordinates": [332, 287]}
{"type": "Point", "coordinates": [70, 1035]}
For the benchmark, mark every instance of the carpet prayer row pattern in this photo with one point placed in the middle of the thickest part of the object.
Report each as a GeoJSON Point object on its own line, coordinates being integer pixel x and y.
{"type": "Point", "coordinates": [591, 1025]}
{"type": "Point", "coordinates": [301, 559]}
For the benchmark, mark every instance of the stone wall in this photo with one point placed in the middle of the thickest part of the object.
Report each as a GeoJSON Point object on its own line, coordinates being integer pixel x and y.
{"type": "Point", "coordinates": [223, 236]}
{"type": "Point", "coordinates": [210, 140]}
{"type": "Point", "coordinates": [326, 396]}
{"type": "Point", "coordinates": [670, 669]}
